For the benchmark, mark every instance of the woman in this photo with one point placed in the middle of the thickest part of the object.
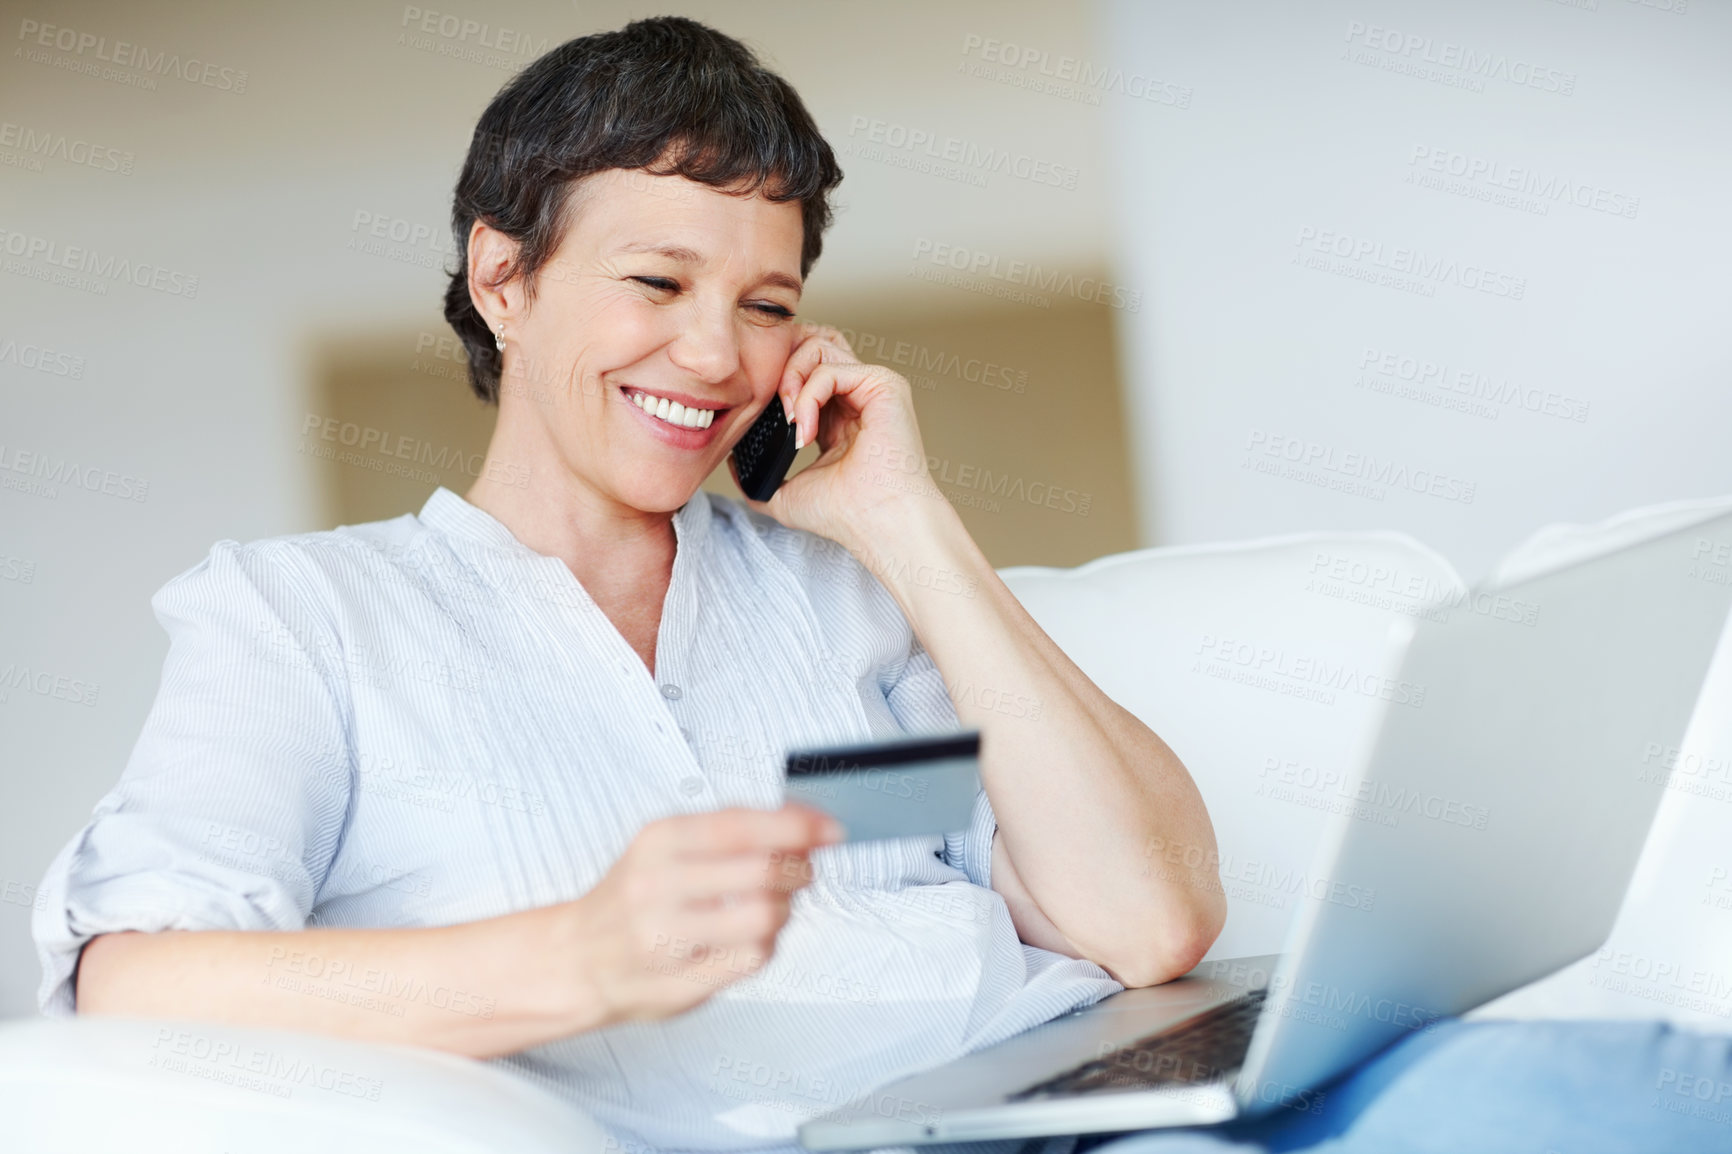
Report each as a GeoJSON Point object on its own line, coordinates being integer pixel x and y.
{"type": "Point", "coordinates": [516, 760]}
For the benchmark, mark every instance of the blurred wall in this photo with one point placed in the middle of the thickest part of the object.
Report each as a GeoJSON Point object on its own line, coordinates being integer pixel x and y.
{"type": "Point", "coordinates": [263, 192]}
{"type": "Point", "coordinates": [1453, 268]}
{"type": "Point", "coordinates": [1456, 269]}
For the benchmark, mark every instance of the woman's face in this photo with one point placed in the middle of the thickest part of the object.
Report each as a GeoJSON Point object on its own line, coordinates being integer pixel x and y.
{"type": "Point", "coordinates": [661, 289]}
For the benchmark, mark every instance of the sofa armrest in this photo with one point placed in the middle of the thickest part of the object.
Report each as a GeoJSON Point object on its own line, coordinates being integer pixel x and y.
{"type": "Point", "coordinates": [101, 1084]}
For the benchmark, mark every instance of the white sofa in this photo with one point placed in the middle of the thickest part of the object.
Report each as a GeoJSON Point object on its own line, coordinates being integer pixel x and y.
{"type": "Point", "coordinates": [100, 1085]}
{"type": "Point", "coordinates": [1180, 636]}
{"type": "Point", "coordinates": [1267, 761]}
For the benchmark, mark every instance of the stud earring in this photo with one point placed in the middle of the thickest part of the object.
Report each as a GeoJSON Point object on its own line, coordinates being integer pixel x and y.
{"type": "Point", "coordinates": [499, 339]}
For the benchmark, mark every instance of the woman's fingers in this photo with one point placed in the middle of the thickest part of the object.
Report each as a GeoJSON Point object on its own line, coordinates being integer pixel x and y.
{"type": "Point", "coordinates": [821, 345]}
{"type": "Point", "coordinates": [714, 880]}
{"type": "Point", "coordinates": [853, 383]}
{"type": "Point", "coordinates": [805, 357]}
{"type": "Point", "coordinates": [695, 903]}
{"type": "Point", "coordinates": [814, 393]}
{"type": "Point", "coordinates": [801, 366]}
{"type": "Point", "coordinates": [740, 830]}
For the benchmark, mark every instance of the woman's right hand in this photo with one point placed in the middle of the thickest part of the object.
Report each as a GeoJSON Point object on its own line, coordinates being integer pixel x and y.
{"type": "Point", "coordinates": [694, 904]}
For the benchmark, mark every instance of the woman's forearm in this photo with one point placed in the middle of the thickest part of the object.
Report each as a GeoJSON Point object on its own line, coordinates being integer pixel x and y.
{"type": "Point", "coordinates": [658, 934]}
{"type": "Point", "coordinates": [481, 988]}
{"type": "Point", "coordinates": [1084, 795]}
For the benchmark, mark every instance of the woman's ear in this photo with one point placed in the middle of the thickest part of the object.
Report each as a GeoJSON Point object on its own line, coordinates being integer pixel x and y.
{"type": "Point", "coordinates": [490, 255]}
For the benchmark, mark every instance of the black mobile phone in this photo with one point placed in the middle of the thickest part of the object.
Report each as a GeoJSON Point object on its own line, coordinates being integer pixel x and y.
{"type": "Point", "coordinates": [764, 455]}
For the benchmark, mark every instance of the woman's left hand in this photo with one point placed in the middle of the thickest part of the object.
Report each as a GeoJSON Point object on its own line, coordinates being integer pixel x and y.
{"type": "Point", "coordinates": [870, 461]}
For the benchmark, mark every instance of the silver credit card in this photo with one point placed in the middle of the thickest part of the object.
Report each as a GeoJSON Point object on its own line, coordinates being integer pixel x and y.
{"type": "Point", "coordinates": [905, 787]}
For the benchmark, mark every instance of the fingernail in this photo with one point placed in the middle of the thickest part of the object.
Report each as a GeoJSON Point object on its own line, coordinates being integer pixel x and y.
{"type": "Point", "coordinates": [799, 438]}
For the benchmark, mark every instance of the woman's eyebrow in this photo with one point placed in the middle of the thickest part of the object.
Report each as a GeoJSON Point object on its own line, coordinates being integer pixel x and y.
{"type": "Point", "coordinates": [683, 255]}
{"type": "Point", "coordinates": [672, 251]}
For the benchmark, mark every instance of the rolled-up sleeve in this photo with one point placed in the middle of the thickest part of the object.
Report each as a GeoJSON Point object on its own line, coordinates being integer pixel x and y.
{"type": "Point", "coordinates": [921, 703]}
{"type": "Point", "coordinates": [234, 799]}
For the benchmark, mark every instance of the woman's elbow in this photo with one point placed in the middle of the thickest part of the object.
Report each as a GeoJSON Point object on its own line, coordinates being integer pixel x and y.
{"type": "Point", "coordinates": [1177, 946]}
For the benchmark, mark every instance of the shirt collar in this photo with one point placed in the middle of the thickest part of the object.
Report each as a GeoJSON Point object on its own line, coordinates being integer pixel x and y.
{"type": "Point", "coordinates": [451, 515]}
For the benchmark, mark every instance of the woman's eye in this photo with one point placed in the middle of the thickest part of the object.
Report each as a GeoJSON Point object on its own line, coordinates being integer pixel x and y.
{"type": "Point", "coordinates": [766, 309]}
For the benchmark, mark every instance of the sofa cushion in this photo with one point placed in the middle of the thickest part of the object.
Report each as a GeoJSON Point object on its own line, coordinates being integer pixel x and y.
{"type": "Point", "coordinates": [1263, 664]}
{"type": "Point", "coordinates": [78, 1085]}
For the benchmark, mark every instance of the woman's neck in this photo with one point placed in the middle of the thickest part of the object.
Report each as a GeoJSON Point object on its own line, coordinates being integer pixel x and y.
{"type": "Point", "coordinates": [623, 557]}
{"type": "Point", "coordinates": [527, 485]}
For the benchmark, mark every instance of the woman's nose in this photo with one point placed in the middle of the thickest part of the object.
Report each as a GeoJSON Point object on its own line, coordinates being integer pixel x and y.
{"type": "Point", "coordinates": [707, 346]}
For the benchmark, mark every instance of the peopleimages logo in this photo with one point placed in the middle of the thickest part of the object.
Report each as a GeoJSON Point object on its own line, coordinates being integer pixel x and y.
{"type": "Point", "coordinates": [1471, 384]}
{"type": "Point", "coordinates": [1026, 274]}
{"type": "Point", "coordinates": [460, 30]}
{"type": "Point", "coordinates": [1274, 880]}
{"type": "Point", "coordinates": [1353, 470]}
{"type": "Point", "coordinates": [1412, 49]}
{"type": "Point", "coordinates": [1519, 179]}
{"type": "Point", "coordinates": [1387, 587]}
{"type": "Point", "coordinates": [930, 144]}
{"type": "Point", "coordinates": [1006, 486]}
{"type": "Point", "coordinates": [1301, 670]}
{"type": "Point", "coordinates": [36, 35]}
{"type": "Point", "coordinates": [1284, 994]}
{"type": "Point", "coordinates": [78, 259]}
{"type": "Point", "coordinates": [44, 144]}
{"type": "Point", "coordinates": [1071, 77]}
{"type": "Point", "coordinates": [1377, 801]}
{"type": "Point", "coordinates": [47, 473]}
{"type": "Point", "coordinates": [43, 360]}
{"type": "Point", "coordinates": [371, 446]}
{"type": "Point", "coordinates": [919, 360]}
{"type": "Point", "coordinates": [43, 683]}
{"type": "Point", "coordinates": [1362, 256]}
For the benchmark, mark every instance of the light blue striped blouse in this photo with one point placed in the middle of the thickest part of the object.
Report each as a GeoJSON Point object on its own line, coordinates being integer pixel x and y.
{"type": "Point", "coordinates": [421, 721]}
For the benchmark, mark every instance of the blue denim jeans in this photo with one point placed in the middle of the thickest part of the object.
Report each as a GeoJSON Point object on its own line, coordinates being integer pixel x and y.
{"type": "Point", "coordinates": [1489, 1087]}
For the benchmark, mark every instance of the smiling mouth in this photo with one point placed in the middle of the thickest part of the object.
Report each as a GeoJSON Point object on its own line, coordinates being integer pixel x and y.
{"type": "Point", "coordinates": [672, 412]}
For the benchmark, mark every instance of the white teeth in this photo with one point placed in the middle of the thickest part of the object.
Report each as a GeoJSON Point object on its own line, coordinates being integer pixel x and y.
{"type": "Point", "coordinates": [673, 412]}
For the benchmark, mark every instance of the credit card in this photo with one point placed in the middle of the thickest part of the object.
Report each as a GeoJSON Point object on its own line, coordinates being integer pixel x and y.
{"type": "Point", "coordinates": [905, 787]}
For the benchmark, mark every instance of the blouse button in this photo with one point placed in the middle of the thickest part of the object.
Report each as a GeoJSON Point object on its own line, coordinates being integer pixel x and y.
{"type": "Point", "coordinates": [671, 691]}
{"type": "Point", "coordinates": [691, 785]}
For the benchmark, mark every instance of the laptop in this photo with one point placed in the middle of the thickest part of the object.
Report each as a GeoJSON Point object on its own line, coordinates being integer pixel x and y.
{"type": "Point", "coordinates": [1536, 727]}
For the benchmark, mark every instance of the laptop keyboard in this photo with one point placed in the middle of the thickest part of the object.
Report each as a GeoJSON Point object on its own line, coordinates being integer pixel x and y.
{"type": "Point", "coordinates": [1201, 1050]}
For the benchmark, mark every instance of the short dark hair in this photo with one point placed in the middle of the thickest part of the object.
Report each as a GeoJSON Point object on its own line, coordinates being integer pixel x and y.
{"type": "Point", "coordinates": [668, 96]}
